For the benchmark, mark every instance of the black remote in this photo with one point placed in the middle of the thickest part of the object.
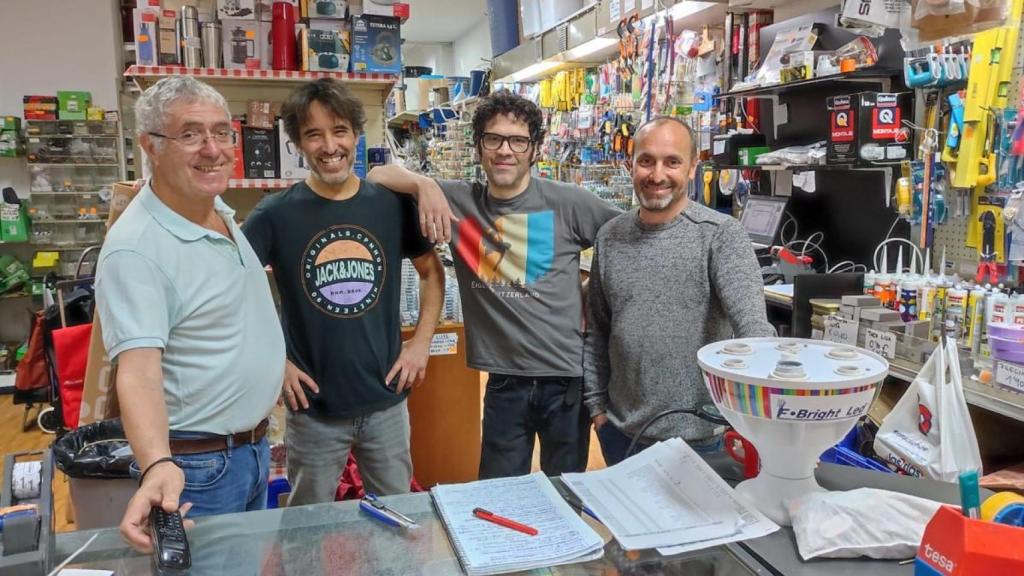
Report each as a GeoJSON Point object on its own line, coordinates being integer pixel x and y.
{"type": "Point", "coordinates": [170, 546]}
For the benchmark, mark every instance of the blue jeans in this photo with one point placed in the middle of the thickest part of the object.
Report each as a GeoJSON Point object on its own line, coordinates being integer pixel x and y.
{"type": "Point", "coordinates": [519, 408]}
{"type": "Point", "coordinates": [615, 442]}
{"type": "Point", "coordinates": [222, 482]}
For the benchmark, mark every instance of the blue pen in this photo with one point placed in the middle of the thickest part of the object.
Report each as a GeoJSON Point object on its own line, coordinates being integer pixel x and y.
{"type": "Point", "coordinates": [377, 509]}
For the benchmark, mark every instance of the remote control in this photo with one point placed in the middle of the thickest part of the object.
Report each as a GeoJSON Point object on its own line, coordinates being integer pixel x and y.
{"type": "Point", "coordinates": [170, 546]}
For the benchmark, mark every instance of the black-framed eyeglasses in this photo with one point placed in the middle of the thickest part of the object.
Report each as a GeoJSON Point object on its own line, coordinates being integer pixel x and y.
{"type": "Point", "coordinates": [223, 137]}
{"type": "Point", "coordinates": [492, 141]}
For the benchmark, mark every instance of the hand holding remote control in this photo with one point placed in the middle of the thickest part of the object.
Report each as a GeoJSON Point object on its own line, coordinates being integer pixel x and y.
{"type": "Point", "coordinates": [170, 545]}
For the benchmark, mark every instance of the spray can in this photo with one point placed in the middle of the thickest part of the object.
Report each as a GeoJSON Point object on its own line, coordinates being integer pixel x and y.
{"type": "Point", "coordinates": [956, 312]}
{"type": "Point", "coordinates": [975, 319]}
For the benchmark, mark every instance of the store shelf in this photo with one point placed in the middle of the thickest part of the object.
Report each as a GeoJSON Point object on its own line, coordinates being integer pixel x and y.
{"type": "Point", "coordinates": [73, 164]}
{"type": "Point", "coordinates": [790, 167]}
{"type": "Point", "coordinates": [262, 183]}
{"type": "Point", "coordinates": [399, 120]}
{"type": "Point", "coordinates": [101, 219]}
{"type": "Point", "coordinates": [1007, 404]}
{"type": "Point", "coordinates": [145, 76]}
{"type": "Point", "coordinates": [31, 137]}
{"type": "Point", "coordinates": [881, 76]}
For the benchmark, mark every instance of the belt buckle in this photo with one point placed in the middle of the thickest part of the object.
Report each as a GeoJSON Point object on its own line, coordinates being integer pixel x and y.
{"type": "Point", "coordinates": [252, 436]}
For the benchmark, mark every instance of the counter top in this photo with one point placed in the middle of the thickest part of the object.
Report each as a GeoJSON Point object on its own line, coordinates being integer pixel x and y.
{"type": "Point", "coordinates": [336, 538]}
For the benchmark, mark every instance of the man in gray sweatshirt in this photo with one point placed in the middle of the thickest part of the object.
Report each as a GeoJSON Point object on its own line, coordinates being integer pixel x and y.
{"type": "Point", "coordinates": [666, 279]}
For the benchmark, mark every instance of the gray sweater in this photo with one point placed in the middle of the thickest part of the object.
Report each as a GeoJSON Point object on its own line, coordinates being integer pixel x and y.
{"type": "Point", "coordinates": [657, 295]}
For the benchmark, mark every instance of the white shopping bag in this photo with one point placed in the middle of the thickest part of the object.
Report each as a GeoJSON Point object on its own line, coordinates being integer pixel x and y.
{"type": "Point", "coordinates": [929, 432]}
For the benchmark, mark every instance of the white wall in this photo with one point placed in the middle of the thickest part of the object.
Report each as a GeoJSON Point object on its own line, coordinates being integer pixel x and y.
{"type": "Point", "coordinates": [50, 45]}
{"type": "Point", "coordinates": [470, 48]}
{"type": "Point", "coordinates": [45, 46]}
{"type": "Point", "coordinates": [436, 55]}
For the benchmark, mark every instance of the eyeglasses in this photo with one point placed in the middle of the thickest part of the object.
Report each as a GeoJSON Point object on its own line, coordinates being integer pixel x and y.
{"type": "Point", "coordinates": [195, 139]}
{"type": "Point", "coordinates": [492, 141]}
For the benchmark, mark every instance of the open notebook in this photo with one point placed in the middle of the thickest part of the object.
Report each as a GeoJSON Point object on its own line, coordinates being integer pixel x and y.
{"type": "Point", "coordinates": [485, 548]}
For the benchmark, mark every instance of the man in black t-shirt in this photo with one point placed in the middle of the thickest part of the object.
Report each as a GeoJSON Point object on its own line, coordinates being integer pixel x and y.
{"type": "Point", "coordinates": [336, 245]}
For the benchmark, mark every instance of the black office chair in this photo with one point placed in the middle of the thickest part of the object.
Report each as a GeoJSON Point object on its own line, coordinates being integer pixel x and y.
{"type": "Point", "coordinates": [808, 286]}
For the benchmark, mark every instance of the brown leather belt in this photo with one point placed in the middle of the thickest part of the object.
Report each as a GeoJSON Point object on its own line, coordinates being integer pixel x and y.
{"type": "Point", "coordinates": [218, 443]}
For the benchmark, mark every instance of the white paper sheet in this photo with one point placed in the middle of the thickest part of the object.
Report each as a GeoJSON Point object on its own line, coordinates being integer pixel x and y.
{"type": "Point", "coordinates": [486, 548]}
{"type": "Point", "coordinates": [667, 497]}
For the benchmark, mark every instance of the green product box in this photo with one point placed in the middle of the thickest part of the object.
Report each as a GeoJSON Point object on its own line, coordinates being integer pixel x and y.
{"type": "Point", "coordinates": [10, 136]}
{"type": "Point", "coordinates": [748, 156]}
{"type": "Point", "coordinates": [72, 105]}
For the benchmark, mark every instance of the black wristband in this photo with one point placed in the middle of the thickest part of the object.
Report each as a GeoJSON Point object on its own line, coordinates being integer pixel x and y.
{"type": "Point", "coordinates": [155, 462]}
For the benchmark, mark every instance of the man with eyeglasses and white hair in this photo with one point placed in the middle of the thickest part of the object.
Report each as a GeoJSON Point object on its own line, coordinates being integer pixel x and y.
{"type": "Point", "coordinates": [516, 247]}
{"type": "Point", "coordinates": [189, 319]}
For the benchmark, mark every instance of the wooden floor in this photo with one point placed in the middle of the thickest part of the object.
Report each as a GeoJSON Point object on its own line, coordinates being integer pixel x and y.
{"type": "Point", "coordinates": [12, 439]}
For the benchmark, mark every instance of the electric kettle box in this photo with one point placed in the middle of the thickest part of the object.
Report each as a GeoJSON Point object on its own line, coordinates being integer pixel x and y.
{"type": "Point", "coordinates": [376, 44]}
{"type": "Point", "coordinates": [325, 47]}
{"type": "Point", "coordinates": [259, 152]}
{"type": "Point", "coordinates": [292, 163]}
{"type": "Point", "coordinates": [241, 44]}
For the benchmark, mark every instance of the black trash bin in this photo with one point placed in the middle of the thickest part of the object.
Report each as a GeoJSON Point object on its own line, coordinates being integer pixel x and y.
{"type": "Point", "coordinates": [97, 460]}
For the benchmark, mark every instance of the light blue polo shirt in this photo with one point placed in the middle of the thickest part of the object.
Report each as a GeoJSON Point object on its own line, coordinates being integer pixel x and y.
{"type": "Point", "coordinates": [165, 282]}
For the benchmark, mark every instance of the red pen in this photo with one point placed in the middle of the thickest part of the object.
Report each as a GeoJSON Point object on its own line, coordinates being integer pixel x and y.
{"type": "Point", "coordinates": [502, 521]}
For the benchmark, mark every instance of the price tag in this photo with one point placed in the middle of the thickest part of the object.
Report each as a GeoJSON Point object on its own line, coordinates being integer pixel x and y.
{"type": "Point", "coordinates": [614, 10]}
{"type": "Point", "coordinates": [880, 342]}
{"type": "Point", "coordinates": [840, 330]}
{"type": "Point", "coordinates": [1010, 376]}
{"type": "Point", "coordinates": [444, 344]}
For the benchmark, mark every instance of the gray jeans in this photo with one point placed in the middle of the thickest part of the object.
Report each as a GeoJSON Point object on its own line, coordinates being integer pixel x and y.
{"type": "Point", "coordinates": [318, 449]}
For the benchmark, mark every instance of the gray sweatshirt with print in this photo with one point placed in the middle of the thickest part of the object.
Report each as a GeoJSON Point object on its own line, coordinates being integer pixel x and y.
{"type": "Point", "coordinates": [658, 293]}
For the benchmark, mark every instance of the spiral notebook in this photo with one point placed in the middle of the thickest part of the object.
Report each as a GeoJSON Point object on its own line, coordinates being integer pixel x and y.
{"type": "Point", "coordinates": [484, 548]}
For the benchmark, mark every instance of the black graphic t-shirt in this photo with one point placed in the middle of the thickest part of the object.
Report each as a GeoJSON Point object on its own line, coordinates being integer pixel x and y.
{"type": "Point", "coordinates": [337, 265]}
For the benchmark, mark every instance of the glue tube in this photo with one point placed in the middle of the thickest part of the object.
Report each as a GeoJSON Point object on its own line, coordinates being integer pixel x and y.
{"type": "Point", "coordinates": [975, 319]}
{"type": "Point", "coordinates": [956, 312]}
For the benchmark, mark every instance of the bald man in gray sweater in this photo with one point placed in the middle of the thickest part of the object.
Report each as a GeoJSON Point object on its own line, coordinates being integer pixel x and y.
{"type": "Point", "coordinates": [666, 279]}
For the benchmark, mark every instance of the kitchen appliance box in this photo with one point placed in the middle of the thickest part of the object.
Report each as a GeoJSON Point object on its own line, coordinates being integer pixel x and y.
{"type": "Point", "coordinates": [241, 42]}
{"type": "Point", "coordinates": [325, 46]}
{"type": "Point", "coordinates": [376, 44]}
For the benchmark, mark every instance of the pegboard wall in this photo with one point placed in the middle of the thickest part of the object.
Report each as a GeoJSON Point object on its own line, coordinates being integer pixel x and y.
{"type": "Point", "coordinates": [953, 233]}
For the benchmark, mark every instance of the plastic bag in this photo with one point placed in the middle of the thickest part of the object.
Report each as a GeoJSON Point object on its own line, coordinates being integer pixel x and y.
{"type": "Point", "coordinates": [864, 522]}
{"type": "Point", "coordinates": [97, 450]}
{"type": "Point", "coordinates": [929, 432]}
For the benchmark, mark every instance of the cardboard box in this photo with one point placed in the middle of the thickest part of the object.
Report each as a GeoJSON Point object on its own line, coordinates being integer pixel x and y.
{"type": "Point", "coordinates": [842, 135]}
{"type": "Point", "coordinates": [239, 168]}
{"type": "Point", "coordinates": [146, 29]}
{"type": "Point", "coordinates": [259, 151]}
{"type": "Point", "coordinates": [881, 133]}
{"type": "Point", "coordinates": [868, 128]}
{"type": "Point", "coordinates": [327, 46]}
{"type": "Point", "coordinates": [168, 39]}
{"type": "Point", "coordinates": [328, 9]}
{"type": "Point", "coordinates": [99, 395]}
{"type": "Point", "coordinates": [73, 105]}
{"type": "Point", "coordinates": [259, 114]}
{"type": "Point", "coordinates": [236, 9]}
{"type": "Point", "coordinates": [241, 42]}
{"type": "Point", "coordinates": [293, 164]}
{"type": "Point", "coordinates": [39, 107]}
{"type": "Point", "coordinates": [376, 44]}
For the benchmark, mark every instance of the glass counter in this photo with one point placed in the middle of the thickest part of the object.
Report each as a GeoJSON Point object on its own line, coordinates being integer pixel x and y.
{"type": "Point", "coordinates": [337, 538]}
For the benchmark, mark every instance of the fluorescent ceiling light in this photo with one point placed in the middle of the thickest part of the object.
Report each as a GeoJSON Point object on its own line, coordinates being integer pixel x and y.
{"type": "Point", "coordinates": [533, 70]}
{"type": "Point", "coordinates": [587, 48]}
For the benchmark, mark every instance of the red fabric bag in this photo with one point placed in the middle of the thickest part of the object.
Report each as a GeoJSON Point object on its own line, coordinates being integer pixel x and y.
{"type": "Point", "coordinates": [31, 372]}
{"type": "Point", "coordinates": [71, 353]}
